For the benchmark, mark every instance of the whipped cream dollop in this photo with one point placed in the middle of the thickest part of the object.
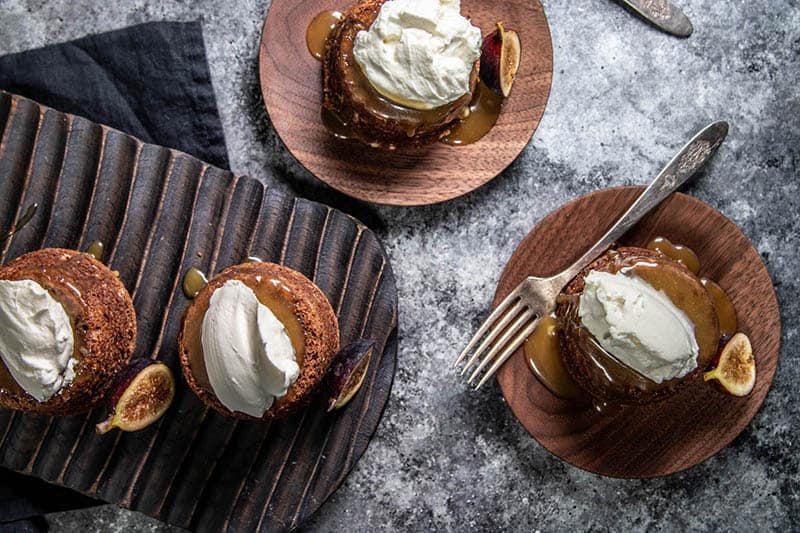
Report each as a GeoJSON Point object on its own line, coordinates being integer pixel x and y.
{"type": "Point", "coordinates": [249, 357]}
{"type": "Point", "coordinates": [419, 53]}
{"type": "Point", "coordinates": [36, 338]}
{"type": "Point", "coordinates": [639, 325]}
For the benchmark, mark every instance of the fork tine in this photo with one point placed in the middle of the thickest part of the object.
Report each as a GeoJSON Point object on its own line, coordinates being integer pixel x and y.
{"type": "Point", "coordinates": [508, 352]}
{"type": "Point", "coordinates": [510, 332]}
{"type": "Point", "coordinates": [496, 330]}
{"type": "Point", "coordinates": [500, 309]}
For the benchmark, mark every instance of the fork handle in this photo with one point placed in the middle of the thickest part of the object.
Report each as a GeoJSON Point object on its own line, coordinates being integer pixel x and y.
{"type": "Point", "coordinates": [682, 167]}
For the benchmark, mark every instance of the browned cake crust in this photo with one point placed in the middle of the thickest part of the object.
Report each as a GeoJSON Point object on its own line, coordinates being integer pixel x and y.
{"type": "Point", "coordinates": [103, 322]}
{"type": "Point", "coordinates": [582, 369]}
{"type": "Point", "coordinates": [340, 97]}
{"type": "Point", "coordinates": [313, 311]}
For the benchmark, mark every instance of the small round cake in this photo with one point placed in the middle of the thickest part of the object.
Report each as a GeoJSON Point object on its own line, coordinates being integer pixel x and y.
{"type": "Point", "coordinates": [636, 326]}
{"type": "Point", "coordinates": [67, 327]}
{"type": "Point", "coordinates": [393, 77]}
{"type": "Point", "coordinates": [257, 341]}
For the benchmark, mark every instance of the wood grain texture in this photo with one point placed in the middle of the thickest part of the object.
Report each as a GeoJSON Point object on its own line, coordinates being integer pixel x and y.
{"type": "Point", "coordinates": [291, 82]}
{"type": "Point", "coordinates": [161, 212]}
{"type": "Point", "coordinates": [676, 434]}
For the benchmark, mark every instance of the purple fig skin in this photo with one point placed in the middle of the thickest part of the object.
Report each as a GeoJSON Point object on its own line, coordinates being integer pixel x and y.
{"type": "Point", "coordinates": [345, 362]}
{"type": "Point", "coordinates": [490, 61]}
{"type": "Point", "coordinates": [124, 379]}
{"type": "Point", "coordinates": [491, 66]}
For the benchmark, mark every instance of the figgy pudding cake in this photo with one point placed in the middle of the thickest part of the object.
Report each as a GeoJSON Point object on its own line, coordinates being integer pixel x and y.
{"type": "Point", "coordinates": [407, 73]}
{"type": "Point", "coordinates": [399, 73]}
{"type": "Point", "coordinates": [67, 326]}
{"type": "Point", "coordinates": [636, 325]}
{"type": "Point", "coordinates": [257, 341]}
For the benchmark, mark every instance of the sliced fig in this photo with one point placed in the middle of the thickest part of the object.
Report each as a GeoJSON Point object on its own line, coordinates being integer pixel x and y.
{"type": "Point", "coordinates": [141, 393]}
{"type": "Point", "coordinates": [347, 372]}
{"type": "Point", "coordinates": [735, 369]}
{"type": "Point", "coordinates": [500, 56]}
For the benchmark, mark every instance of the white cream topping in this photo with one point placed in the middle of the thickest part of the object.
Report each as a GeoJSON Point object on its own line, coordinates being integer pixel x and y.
{"type": "Point", "coordinates": [249, 357]}
{"type": "Point", "coordinates": [36, 338]}
{"type": "Point", "coordinates": [419, 53]}
{"type": "Point", "coordinates": [639, 325]}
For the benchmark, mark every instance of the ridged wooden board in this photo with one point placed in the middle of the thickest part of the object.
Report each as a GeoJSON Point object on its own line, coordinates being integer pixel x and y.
{"type": "Point", "coordinates": [161, 212]}
{"type": "Point", "coordinates": [661, 438]}
{"type": "Point", "coordinates": [291, 82]}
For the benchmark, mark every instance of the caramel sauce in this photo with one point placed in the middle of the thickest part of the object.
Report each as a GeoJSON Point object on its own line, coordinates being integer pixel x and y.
{"type": "Point", "coordinates": [318, 31]}
{"type": "Point", "coordinates": [271, 293]}
{"type": "Point", "coordinates": [543, 356]}
{"type": "Point", "coordinates": [483, 113]}
{"type": "Point", "coordinates": [20, 223]}
{"type": "Point", "coordinates": [96, 249]}
{"type": "Point", "coordinates": [193, 282]}
{"type": "Point", "coordinates": [726, 313]}
{"type": "Point", "coordinates": [678, 252]}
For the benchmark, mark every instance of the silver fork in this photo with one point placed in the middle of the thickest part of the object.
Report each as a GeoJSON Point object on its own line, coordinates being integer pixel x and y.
{"type": "Point", "coordinates": [507, 327]}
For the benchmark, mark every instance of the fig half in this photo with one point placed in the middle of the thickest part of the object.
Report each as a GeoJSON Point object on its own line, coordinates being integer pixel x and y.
{"type": "Point", "coordinates": [140, 395]}
{"type": "Point", "coordinates": [500, 56]}
{"type": "Point", "coordinates": [736, 368]}
{"type": "Point", "coordinates": [347, 372]}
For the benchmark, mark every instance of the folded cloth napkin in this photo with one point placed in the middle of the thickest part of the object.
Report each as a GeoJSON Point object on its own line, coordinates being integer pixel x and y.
{"type": "Point", "coordinates": [150, 80]}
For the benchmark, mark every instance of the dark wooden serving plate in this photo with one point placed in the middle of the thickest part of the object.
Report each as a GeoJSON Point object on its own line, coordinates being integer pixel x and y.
{"type": "Point", "coordinates": [292, 88]}
{"type": "Point", "coordinates": [662, 438]}
{"type": "Point", "coordinates": [161, 212]}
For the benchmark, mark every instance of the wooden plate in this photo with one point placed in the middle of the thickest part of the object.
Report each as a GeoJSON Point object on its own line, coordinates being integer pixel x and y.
{"type": "Point", "coordinates": [291, 82]}
{"type": "Point", "coordinates": [667, 437]}
{"type": "Point", "coordinates": [161, 212]}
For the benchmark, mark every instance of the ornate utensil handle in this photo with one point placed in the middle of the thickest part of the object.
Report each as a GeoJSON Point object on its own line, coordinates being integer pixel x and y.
{"type": "Point", "coordinates": [682, 167]}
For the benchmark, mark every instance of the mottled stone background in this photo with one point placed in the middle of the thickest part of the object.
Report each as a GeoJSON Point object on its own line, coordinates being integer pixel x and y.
{"type": "Point", "coordinates": [624, 98]}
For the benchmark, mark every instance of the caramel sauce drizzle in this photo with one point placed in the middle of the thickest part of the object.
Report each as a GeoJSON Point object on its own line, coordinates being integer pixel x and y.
{"type": "Point", "coordinates": [728, 323]}
{"type": "Point", "coordinates": [193, 282]}
{"type": "Point", "coordinates": [318, 31]}
{"type": "Point", "coordinates": [96, 250]}
{"type": "Point", "coordinates": [543, 356]}
{"type": "Point", "coordinates": [678, 252]}
{"type": "Point", "coordinates": [484, 110]}
{"type": "Point", "coordinates": [20, 223]}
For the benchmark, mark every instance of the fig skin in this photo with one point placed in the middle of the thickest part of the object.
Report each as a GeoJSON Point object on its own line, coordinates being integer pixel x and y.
{"type": "Point", "coordinates": [128, 377]}
{"type": "Point", "coordinates": [735, 368]}
{"type": "Point", "coordinates": [351, 362]}
{"type": "Point", "coordinates": [497, 70]}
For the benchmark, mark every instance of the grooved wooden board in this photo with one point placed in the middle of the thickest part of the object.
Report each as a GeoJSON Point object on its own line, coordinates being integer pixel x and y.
{"type": "Point", "coordinates": [161, 212]}
{"type": "Point", "coordinates": [680, 432]}
{"type": "Point", "coordinates": [291, 82]}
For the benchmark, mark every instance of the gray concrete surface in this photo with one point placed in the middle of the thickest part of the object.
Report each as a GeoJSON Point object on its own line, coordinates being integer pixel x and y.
{"type": "Point", "coordinates": [624, 97]}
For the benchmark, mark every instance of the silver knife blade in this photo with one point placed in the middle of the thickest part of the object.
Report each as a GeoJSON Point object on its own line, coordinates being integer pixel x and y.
{"type": "Point", "coordinates": [662, 14]}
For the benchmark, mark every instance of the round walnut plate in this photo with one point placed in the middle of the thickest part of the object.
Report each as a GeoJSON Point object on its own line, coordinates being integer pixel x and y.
{"type": "Point", "coordinates": [676, 434]}
{"type": "Point", "coordinates": [291, 83]}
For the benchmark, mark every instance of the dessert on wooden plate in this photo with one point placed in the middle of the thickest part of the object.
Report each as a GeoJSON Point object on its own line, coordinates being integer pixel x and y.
{"type": "Point", "coordinates": [408, 73]}
{"type": "Point", "coordinates": [67, 327]}
{"type": "Point", "coordinates": [257, 341]}
{"type": "Point", "coordinates": [636, 326]}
